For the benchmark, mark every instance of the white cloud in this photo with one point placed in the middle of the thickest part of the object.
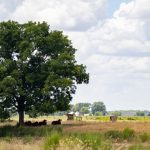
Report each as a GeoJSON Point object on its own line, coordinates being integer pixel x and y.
{"type": "Point", "coordinates": [3, 10]}
{"type": "Point", "coordinates": [7, 7]}
{"type": "Point", "coordinates": [61, 14]}
{"type": "Point", "coordinates": [116, 50]}
{"type": "Point", "coordinates": [135, 9]}
{"type": "Point", "coordinates": [117, 53]}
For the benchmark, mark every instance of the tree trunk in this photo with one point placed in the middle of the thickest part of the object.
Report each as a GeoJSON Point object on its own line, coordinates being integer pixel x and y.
{"type": "Point", "coordinates": [21, 117]}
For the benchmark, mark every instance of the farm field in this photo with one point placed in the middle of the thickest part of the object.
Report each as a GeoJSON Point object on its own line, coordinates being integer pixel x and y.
{"type": "Point", "coordinates": [90, 134]}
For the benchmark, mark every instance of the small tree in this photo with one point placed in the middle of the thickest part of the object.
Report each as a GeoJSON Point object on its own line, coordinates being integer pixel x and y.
{"type": "Point", "coordinates": [37, 68]}
{"type": "Point", "coordinates": [116, 113]}
{"type": "Point", "coordinates": [98, 107]}
{"type": "Point", "coordinates": [140, 113]}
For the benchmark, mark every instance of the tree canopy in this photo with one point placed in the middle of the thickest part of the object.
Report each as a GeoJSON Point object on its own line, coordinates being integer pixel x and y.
{"type": "Point", "coordinates": [79, 106]}
{"type": "Point", "coordinates": [98, 107]}
{"type": "Point", "coordinates": [38, 69]}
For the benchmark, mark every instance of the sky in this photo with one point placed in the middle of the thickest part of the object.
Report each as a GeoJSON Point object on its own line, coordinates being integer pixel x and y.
{"type": "Point", "coordinates": [112, 38]}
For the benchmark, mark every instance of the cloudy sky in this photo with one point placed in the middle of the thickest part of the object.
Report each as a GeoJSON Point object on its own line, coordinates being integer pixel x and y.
{"type": "Point", "coordinates": [113, 41]}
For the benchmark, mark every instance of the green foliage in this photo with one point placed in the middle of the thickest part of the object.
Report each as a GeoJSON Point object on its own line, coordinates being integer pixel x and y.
{"type": "Point", "coordinates": [37, 68]}
{"type": "Point", "coordinates": [33, 113]}
{"type": "Point", "coordinates": [79, 106]}
{"type": "Point", "coordinates": [85, 110]}
{"type": "Point", "coordinates": [98, 107]}
{"type": "Point", "coordinates": [4, 114]}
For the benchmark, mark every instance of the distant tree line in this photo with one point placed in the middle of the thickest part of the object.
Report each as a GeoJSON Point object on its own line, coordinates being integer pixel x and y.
{"type": "Point", "coordinates": [96, 108]}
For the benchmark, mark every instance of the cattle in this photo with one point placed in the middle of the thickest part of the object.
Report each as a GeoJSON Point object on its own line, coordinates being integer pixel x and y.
{"type": "Point", "coordinates": [28, 123]}
{"type": "Point", "coordinates": [44, 122]}
{"type": "Point", "coordinates": [113, 118]}
{"type": "Point", "coordinates": [35, 124]}
{"type": "Point", "coordinates": [56, 122]}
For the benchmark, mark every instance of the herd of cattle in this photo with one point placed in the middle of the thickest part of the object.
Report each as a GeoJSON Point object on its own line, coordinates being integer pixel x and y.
{"type": "Point", "coordinates": [57, 122]}
{"type": "Point", "coordinates": [41, 123]}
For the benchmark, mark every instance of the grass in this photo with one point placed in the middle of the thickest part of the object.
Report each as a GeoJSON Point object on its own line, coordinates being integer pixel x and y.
{"type": "Point", "coordinates": [52, 141]}
{"type": "Point", "coordinates": [127, 134]}
{"type": "Point", "coordinates": [75, 135]}
{"type": "Point", "coordinates": [138, 147]}
{"type": "Point", "coordinates": [14, 131]}
{"type": "Point", "coordinates": [144, 137]}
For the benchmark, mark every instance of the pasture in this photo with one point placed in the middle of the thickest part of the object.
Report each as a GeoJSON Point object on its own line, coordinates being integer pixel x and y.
{"type": "Point", "coordinates": [92, 133]}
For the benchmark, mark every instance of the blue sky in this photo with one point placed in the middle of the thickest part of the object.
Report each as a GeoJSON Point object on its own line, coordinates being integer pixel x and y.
{"type": "Point", "coordinates": [113, 41]}
{"type": "Point", "coordinates": [114, 5]}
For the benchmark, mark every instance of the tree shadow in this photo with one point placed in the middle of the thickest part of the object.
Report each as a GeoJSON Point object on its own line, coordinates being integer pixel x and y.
{"type": "Point", "coordinates": [23, 131]}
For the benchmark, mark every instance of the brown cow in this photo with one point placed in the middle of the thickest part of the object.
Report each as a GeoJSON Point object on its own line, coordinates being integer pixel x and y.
{"type": "Point", "coordinates": [44, 122]}
{"type": "Point", "coordinates": [56, 122]}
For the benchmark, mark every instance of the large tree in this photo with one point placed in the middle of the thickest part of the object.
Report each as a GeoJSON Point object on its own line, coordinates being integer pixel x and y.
{"type": "Point", "coordinates": [38, 69]}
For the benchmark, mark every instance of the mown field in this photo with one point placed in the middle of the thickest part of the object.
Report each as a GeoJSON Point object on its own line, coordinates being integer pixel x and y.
{"type": "Point", "coordinates": [92, 133]}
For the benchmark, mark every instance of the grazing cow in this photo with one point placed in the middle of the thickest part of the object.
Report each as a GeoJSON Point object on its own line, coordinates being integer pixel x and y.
{"type": "Point", "coordinates": [35, 124]}
{"type": "Point", "coordinates": [28, 123]}
{"type": "Point", "coordinates": [56, 122]}
{"type": "Point", "coordinates": [44, 122]}
{"type": "Point", "coordinates": [113, 118]}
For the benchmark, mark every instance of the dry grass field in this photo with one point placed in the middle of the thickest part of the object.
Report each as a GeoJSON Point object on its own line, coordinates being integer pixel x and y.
{"type": "Point", "coordinates": [138, 127]}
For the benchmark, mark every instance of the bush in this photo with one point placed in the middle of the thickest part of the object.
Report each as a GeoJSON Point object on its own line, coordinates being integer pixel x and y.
{"type": "Point", "coordinates": [128, 134]}
{"type": "Point", "coordinates": [114, 134]}
{"type": "Point", "coordinates": [144, 137]}
{"type": "Point", "coordinates": [131, 118]}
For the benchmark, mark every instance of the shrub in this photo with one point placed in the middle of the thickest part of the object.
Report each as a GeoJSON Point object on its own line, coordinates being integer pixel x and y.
{"type": "Point", "coordinates": [114, 134]}
{"type": "Point", "coordinates": [131, 118]}
{"type": "Point", "coordinates": [144, 137]}
{"type": "Point", "coordinates": [128, 134]}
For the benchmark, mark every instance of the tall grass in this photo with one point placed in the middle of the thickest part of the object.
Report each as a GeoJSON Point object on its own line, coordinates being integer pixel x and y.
{"type": "Point", "coordinates": [13, 131]}
{"type": "Point", "coordinates": [126, 134]}
{"type": "Point", "coordinates": [52, 141]}
{"type": "Point", "coordinates": [93, 140]}
{"type": "Point", "coordinates": [84, 141]}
